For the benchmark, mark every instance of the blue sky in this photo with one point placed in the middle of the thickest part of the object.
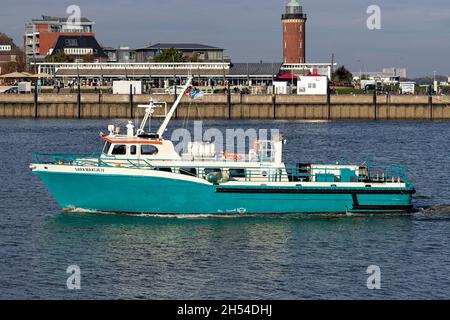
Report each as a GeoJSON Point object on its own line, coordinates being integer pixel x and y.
{"type": "Point", "coordinates": [414, 33]}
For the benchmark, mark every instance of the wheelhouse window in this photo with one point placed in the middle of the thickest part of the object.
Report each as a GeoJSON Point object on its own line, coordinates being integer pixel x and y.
{"type": "Point", "coordinates": [106, 147]}
{"type": "Point", "coordinates": [119, 149]}
{"type": "Point", "coordinates": [133, 150]}
{"type": "Point", "coordinates": [148, 150]}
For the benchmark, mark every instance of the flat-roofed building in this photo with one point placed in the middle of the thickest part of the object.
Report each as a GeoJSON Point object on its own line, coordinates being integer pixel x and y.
{"type": "Point", "coordinates": [121, 54]}
{"type": "Point", "coordinates": [203, 53]}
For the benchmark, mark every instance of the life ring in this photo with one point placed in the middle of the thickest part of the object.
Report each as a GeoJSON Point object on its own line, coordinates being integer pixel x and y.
{"type": "Point", "coordinates": [232, 156]}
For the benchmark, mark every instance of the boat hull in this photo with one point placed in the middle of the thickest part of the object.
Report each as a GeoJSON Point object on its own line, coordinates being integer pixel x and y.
{"type": "Point", "coordinates": [169, 195]}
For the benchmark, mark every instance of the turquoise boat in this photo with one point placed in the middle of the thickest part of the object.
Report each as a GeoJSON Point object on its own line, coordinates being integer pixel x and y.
{"type": "Point", "coordinates": [141, 173]}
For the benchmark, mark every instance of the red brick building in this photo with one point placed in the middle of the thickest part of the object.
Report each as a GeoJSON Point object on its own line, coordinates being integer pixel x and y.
{"type": "Point", "coordinates": [294, 39]}
{"type": "Point", "coordinates": [41, 35]}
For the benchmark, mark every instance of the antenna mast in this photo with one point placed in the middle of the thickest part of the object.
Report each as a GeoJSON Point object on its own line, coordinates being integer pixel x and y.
{"type": "Point", "coordinates": [169, 116]}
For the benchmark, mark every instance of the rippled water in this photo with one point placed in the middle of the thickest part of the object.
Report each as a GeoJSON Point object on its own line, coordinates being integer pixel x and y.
{"type": "Point", "coordinates": [294, 257]}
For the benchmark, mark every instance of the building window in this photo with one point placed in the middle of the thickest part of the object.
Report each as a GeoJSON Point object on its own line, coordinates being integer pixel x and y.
{"type": "Point", "coordinates": [78, 51]}
{"type": "Point", "coordinates": [71, 42]}
{"type": "Point", "coordinates": [5, 48]}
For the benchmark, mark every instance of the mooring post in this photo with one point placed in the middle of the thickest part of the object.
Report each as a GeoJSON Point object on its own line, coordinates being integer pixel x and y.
{"type": "Point", "coordinates": [375, 104]}
{"type": "Point", "coordinates": [175, 116]}
{"type": "Point", "coordinates": [329, 100]}
{"type": "Point", "coordinates": [430, 102]}
{"type": "Point", "coordinates": [274, 104]}
{"type": "Point", "coordinates": [79, 100]}
{"type": "Point", "coordinates": [35, 100]}
{"type": "Point", "coordinates": [131, 102]}
{"type": "Point", "coordinates": [229, 100]}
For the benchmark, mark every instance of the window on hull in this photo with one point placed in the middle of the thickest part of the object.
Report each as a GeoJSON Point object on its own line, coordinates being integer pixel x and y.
{"type": "Point", "coordinates": [237, 173]}
{"type": "Point", "coordinates": [188, 171]}
{"type": "Point", "coordinates": [164, 169]}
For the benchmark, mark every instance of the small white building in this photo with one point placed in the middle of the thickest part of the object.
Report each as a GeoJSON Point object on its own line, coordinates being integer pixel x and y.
{"type": "Point", "coordinates": [282, 87]}
{"type": "Point", "coordinates": [123, 87]}
{"type": "Point", "coordinates": [312, 85]}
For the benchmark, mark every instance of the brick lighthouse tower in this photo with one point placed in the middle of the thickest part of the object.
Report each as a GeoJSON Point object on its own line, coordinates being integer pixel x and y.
{"type": "Point", "coordinates": [294, 21]}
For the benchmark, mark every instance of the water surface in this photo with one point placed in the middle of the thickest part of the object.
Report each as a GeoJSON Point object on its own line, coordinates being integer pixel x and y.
{"type": "Point", "coordinates": [288, 257]}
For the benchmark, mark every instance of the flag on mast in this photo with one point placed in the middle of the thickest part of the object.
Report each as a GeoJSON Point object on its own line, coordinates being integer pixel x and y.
{"type": "Point", "coordinates": [194, 93]}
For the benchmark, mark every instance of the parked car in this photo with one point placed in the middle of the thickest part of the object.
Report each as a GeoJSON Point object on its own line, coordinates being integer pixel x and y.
{"type": "Point", "coordinates": [12, 90]}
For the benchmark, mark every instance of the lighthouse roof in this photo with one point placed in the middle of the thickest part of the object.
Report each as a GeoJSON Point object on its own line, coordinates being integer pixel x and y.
{"type": "Point", "coordinates": [294, 3]}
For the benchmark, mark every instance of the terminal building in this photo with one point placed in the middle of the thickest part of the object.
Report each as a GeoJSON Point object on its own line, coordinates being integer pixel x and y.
{"type": "Point", "coordinates": [204, 73]}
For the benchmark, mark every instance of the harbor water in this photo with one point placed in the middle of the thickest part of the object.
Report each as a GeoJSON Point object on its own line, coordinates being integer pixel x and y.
{"type": "Point", "coordinates": [217, 257]}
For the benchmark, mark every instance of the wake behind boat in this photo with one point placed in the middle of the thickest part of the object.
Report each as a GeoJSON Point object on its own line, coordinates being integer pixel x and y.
{"type": "Point", "coordinates": [141, 172]}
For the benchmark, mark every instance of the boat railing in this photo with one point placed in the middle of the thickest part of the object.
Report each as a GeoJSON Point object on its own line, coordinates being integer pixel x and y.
{"type": "Point", "coordinates": [382, 173]}
{"type": "Point", "coordinates": [368, 173]}
{"type": "Point", "coordinates": [85, 158]}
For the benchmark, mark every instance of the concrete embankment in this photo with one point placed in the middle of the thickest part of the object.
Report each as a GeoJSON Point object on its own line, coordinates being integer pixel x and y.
{"type": "Point", "coordinates": [360, 107]}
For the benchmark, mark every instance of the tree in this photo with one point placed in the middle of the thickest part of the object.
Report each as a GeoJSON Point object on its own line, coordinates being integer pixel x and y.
{"type": "Point", "coordinates": [9, 67]}
{"type": "Point", "coordinates": [170, 55]}
{"type": "Point", "coordinates": [89, 58]}
{"type": "Point", "coordinates": [193, 58]}
{"type": "Point", "coordinates": [342, 75]}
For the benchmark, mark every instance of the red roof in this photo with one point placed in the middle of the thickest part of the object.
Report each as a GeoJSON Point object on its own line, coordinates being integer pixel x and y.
{"type": "Point", "coordinates": [287, 77]}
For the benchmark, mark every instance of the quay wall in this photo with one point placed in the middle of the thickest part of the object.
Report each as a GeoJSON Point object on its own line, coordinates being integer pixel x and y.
{"type": "Point", "coordinates": [335, 107]}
